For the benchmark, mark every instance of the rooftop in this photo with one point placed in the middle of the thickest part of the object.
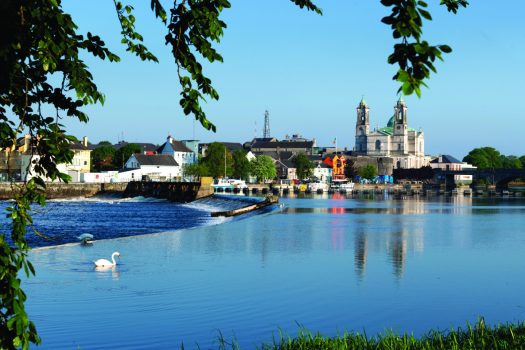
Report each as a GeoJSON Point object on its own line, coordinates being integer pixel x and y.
{"type": "Point", "coordinates": [155, 159]}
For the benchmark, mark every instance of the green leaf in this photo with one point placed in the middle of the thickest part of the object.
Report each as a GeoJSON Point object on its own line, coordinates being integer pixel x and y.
{"type": "Point", "coordinates": [445, 48]}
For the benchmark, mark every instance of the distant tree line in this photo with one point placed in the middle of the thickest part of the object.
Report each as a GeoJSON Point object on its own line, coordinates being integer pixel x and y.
{"type": "Point", "coordinates": [105, 157]}
{"type": "Point", "coordinates": [221, 162]}
{"type": "Point", "coordinates": [491, 158]}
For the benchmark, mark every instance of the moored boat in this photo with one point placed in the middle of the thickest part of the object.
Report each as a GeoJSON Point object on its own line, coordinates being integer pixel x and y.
{"type": "Point", "coordinates": [318, 186]}
{"type": "Point", "coordinates": [227, 185]}
{"type": "Point", "coordinates": [342, 186]}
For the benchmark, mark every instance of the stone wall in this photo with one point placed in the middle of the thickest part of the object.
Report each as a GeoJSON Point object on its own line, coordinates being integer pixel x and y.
{"type": "Point", "coordinates": [384, 165]}
{"type": "Point", "coordinates": [70, 190]}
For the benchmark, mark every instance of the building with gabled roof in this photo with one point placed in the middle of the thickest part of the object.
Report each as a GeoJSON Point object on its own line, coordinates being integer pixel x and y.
{"type": "Point", "coordinates": [150, 166]}
{"type": "Point", "coordinates": [28, 153]}
{"type": "Point", "coordinates": [182, 154]}
{"type": "Point", "coordinates": [449, 163]}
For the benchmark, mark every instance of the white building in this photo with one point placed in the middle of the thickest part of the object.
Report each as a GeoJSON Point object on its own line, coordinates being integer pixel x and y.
{"type": "Point", "coordinates": [323, 172]}
{"type": "Point", "coordinates": [154, 166]}
{"type": "Point", "coordinates": [182, 154]}
{"type": "Point", "coordinates": [404, 145]}
{"type": "Point", "coordinates": [448, 163]}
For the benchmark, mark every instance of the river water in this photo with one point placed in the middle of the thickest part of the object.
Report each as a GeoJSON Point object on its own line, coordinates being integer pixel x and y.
{"type": "Point", "coordinates": [328, 263]}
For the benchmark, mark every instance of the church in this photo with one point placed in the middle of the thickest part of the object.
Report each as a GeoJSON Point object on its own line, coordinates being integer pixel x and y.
{"type": "Point", "coordinates": [404, 145]}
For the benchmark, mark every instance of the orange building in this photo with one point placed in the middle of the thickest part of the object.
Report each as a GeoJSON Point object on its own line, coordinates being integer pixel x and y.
{"type": "Point", "coordinates": [338, 167]}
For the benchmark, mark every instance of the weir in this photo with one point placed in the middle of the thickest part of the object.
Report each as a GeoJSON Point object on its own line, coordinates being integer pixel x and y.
{"type": "Point", "coordinates": [173, 191]}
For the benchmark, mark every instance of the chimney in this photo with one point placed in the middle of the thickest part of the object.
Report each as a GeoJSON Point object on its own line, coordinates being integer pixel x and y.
{"type": "Point", "coordinates": [85, 141]}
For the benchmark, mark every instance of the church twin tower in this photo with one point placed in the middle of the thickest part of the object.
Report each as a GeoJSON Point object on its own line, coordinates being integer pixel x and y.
{"type": "Point", "coordinates": [396, 140]}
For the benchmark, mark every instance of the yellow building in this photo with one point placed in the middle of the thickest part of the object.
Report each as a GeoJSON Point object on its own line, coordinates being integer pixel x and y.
{"type": "Point", "coordinates": [81, 162]}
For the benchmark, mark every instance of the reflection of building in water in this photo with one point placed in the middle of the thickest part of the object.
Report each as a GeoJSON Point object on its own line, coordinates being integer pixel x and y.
{"type": "Point", "coordinates": [461, 204]}
{"type": "Point", "coordinates": [337, 233]}
{"type": "Point", "coordinates": [408, 238]}
{"type": "Point", "coordinates": [361, 252]}
{"type": "Point", "coordinates": [398, 233]}
{"type": "Point", "coordinates": [397, 249]}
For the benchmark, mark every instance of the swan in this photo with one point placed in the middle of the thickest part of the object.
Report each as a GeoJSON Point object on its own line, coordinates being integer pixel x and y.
{"type": "Point", "coordinates": [107, 263]}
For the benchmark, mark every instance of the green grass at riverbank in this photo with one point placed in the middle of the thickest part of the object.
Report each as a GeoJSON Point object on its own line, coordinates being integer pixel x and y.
{"type": "Point", "coordinates": [479, 336]}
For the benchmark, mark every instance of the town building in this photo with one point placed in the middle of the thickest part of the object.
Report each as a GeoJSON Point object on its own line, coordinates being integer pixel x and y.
{"type": "Point", "coordinates": [449, 163]}
{"type": "Point", "coordinates": [286, 169]}
{"type": "Point", "coordinates": [182, 154]}
{"type": "Point", "coordinates": [80, 164]}
{"type": "Point", "coordinates": [322, 172]}
{"type": "Point", "coordinates": [296, 147]}
{"type": "Point", "coordinates": [406, 146]}
{"type": "Point", "coordinates": [193, 146]}
{"type": "Point", "coordinates": [159, 167]}
{"type": "Point", "coordinates": [11, 159]}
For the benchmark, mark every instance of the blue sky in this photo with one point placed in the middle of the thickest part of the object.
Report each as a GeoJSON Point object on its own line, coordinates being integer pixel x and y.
{"type": "Point", "coordinates": [310, 71]}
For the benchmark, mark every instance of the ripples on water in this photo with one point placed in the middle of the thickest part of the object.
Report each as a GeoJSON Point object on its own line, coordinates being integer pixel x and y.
{"type": "Point", "coordinates": [330, 263]}
{"type": "Point", "coordinates": [62, 221]}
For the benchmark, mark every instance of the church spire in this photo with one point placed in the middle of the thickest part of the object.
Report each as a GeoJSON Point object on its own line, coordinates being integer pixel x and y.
{"type": "Point", "coordinates": [362, 126]}
{"type": "Point", "coordinates": [400, 117]}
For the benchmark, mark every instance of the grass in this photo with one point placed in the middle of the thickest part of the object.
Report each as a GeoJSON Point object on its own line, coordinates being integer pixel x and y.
{"type": "Point", "coordinates": [479, 336]}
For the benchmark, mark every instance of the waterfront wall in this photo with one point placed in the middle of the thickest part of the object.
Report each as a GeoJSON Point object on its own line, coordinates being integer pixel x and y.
{"type": "Point", "coordinates": [173, 191]}
{"type": "Point", "coordinates": [57, 190]}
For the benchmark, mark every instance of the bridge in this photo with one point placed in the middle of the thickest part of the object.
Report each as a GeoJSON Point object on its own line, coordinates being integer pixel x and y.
{"type": "Point", "coordinates": [499, 177]}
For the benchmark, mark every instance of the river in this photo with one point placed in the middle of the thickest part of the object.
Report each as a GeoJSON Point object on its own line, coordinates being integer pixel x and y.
{"type": "Point", "coordinates": [328, 263]}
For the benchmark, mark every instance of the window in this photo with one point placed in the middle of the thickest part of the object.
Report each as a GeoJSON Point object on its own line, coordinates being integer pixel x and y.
{"type": "Point", "coordinates": [85, 162]}
{"type": "Point", "coordinates": [378, 145]}
{"type": "Point", "coordinates": [399, 147]}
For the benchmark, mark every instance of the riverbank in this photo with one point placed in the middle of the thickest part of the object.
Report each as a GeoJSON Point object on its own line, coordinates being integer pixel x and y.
{"type": "Point", "coordinates": [479, 336]}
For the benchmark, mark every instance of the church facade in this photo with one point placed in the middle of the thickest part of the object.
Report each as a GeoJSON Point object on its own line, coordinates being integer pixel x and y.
{"type": "Point", "coordinates": [396, 140]}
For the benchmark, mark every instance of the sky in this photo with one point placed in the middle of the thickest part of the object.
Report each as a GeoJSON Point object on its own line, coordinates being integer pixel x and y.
{"type": "Point", "coordinates": [310, 72]}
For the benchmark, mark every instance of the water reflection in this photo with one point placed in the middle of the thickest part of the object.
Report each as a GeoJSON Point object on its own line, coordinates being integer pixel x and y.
{"type": "Point", "coordinates": [393, 229]}
{"type": "Point", "coordinates": [360, 252]}
{"type": "Point", "coordinates": [104, 271]}
{"type": "Point", "coordinates": [397, 250]}
{"type": "Point", "coordinates": [331, 264]}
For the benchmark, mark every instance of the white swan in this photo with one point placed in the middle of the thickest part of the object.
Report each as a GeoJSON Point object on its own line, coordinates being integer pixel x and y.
{"type": "Point", "coordinates": [107, 263]}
